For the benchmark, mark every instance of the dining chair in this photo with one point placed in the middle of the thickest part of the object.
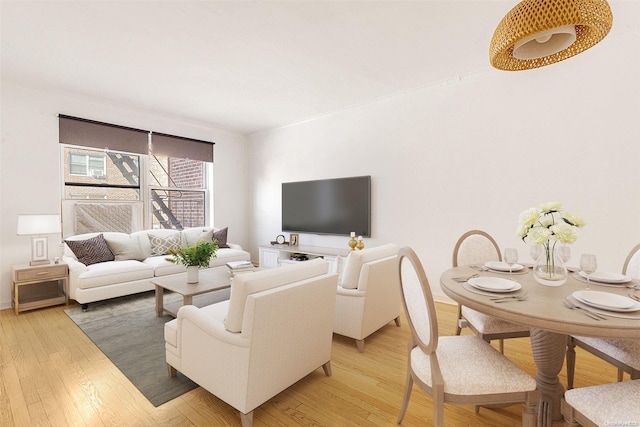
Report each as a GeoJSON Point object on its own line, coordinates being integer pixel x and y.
{"type": "Point", "coordinates": [602, 405]}
{"type": "Point", "coordinates": [477, 247]}
{"type": "Point", "coordinates": [621, 353]}
{"type": "Point", "coordinates": [459, 370]}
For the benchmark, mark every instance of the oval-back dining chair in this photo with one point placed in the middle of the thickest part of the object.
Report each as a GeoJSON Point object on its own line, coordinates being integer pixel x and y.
{"type": "Point", "coordinates": [621, 353]}
{"type": "Point", "coordinates": [476, 247]}
{"type": "Point", "coordinates": [460, 370]}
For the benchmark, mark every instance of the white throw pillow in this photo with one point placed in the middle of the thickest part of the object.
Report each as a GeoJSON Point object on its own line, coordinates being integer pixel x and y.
{"type": "Point", "coordinates": [125, 247]}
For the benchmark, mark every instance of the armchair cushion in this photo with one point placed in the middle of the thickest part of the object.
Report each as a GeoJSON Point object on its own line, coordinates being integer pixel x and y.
{"type": "Point", "coordinates": [244, 285]}
{"type": "Point", "coordinates": [355, 259]}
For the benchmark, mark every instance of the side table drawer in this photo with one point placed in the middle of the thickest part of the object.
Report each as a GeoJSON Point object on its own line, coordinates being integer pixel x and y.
{"type": "Point", "coordinates": [41, 273]}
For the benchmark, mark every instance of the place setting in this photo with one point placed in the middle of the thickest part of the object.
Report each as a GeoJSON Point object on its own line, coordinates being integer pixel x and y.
{"type": "Point", "coordinates": [598, 304]}
{"type": "Point", "coordinates": [497, 288]}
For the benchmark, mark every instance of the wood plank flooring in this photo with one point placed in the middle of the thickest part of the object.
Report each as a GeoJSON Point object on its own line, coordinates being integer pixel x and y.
{"type": "Point", "coordinates": [51, 374]}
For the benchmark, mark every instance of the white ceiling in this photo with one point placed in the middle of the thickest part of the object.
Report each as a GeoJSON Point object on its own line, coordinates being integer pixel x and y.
{"type": "Point", "coordinates": [244, 65]}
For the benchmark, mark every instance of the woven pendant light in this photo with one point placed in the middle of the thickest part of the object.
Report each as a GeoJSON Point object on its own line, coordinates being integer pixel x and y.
{"type": "Point", "coordinates": [536, 33]}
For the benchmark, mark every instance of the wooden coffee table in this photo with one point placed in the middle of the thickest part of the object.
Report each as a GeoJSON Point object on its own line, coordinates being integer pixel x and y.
{"type": "Point", "coordinates": [211, 279]}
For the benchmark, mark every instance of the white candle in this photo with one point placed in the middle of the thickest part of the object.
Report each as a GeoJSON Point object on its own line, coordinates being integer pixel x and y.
{"type": "Point", "coordinates": [359, 237]}
{"type": "Point", "coordinates": [353, 234]}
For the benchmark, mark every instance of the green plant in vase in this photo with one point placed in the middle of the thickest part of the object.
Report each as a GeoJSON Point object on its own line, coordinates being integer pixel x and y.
{"type": "Point", "coordinates": [193, 257]}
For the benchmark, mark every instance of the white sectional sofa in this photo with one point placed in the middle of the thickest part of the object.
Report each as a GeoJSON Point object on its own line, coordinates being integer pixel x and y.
{"type": "Point", "coordinates": [108, 265]}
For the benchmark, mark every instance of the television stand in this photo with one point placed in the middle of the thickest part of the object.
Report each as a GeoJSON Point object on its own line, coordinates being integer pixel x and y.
{"type": "Point", "coordinates": [273, 256]}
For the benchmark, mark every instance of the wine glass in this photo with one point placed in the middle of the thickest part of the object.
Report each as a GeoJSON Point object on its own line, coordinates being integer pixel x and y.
{"type": "Point", "coordinates": [510, 257]}
{"type": "Point", "coordinates": [535, 251]}
{"type": "Point", "coordinates": [588, 265]}
{"type": "Point", "coordinates": [565, 253]}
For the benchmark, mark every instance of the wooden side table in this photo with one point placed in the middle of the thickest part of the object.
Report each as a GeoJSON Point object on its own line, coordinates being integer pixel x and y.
{"type": "Point", "coordinates": [39, 286]}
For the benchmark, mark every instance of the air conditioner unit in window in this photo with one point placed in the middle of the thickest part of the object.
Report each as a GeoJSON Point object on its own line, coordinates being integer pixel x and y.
{"type": "Point", "coordinates": [98, 174]}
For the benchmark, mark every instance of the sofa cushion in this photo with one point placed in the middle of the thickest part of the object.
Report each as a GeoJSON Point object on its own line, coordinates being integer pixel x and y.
{"type": "Point", "coordinates": [91, 251]}
{"type": "Point", "coordinates": [113, 272]}
{"type": "Point", "coordinates": [193, 235]}
{"type": "Point", "coordinates": [162, 245]}
{"type": "Point", "coordinates": [163, 267]}
{"type": "Point", "coordinates": [355, 259]}
{"type": "Point", "coordinates": [244, 285]}
{"type": "Point", "coordinates": [221, 237]}
{"type": "Point", "coordinates": [125, 247]}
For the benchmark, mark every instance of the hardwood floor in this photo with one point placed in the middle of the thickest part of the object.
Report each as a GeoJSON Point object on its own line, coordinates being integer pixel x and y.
{"type": "Point", "coordinates": [52, 374]}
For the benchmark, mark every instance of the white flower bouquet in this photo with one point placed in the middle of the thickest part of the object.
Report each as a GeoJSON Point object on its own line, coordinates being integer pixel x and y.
{"type": "Point", "coordinates": [547, 225]}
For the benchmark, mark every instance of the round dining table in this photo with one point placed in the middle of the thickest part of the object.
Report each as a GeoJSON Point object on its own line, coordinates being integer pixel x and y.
{"type": "Point", "coordinates": [543, 310]}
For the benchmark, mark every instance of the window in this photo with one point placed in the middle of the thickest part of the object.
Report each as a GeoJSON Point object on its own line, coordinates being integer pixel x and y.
{"type": "Point", "coordinates": [87, 165]}
{"type": "Point", "coordinates": [97, 175]}
{"type": "Point", "coordinates": [110, 162]}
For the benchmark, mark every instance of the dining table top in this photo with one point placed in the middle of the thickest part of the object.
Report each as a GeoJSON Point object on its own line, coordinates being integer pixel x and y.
{"type": "Point", "coordinates": [543, 307]}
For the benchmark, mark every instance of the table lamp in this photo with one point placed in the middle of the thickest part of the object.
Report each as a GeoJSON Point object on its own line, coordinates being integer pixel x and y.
{"type": "Point", "coordinates": [37, 226]}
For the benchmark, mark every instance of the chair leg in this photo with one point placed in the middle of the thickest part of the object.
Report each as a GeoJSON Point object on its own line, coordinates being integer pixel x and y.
{"type": "Point", "coordinates": [360, 345]}
{"type": "Point", "coordinates": [327, 368]}
{"type": "Point", "coordinates": [397, 320]}
{"type": "Point", "coordinates": [172, 371]}
{"type": "Point", "coordinates": [407, 396]}
{"type": "Point", "coordinates": [458, 328]}
{"type": "Point", "coordinates": [571, 362]}
{"type": "Point", "coordinates": [501, 345]}
{"type": "Point", "coordinates": [246, 419]}
{"type": "Point", "coordinates": [530, 410]}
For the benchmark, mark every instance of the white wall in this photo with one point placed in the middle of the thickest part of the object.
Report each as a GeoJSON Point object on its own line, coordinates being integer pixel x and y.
{"type": "Point", "coordinates": [30, 165]}
{"type": "Point", "coordinates": [475, 152]}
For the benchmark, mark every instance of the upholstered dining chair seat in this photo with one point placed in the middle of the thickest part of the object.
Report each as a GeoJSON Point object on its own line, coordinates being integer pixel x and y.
{"type": "Point", "coordinates": [623, 354]}
{"type": "Point", "coordinates": [487, 373]}
{"type": "Point", "coordinates": [489, 325]}
{"type": "Point", "coordinates": [625, 351]}
{"type": "Point", "coordinates": [601, 405]}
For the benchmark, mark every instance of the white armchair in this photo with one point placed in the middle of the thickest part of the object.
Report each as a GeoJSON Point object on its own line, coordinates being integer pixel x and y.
{"type": "Point", "coordinates": [275, 329]}
{"type": "Point", "coordinates": [368, 295]}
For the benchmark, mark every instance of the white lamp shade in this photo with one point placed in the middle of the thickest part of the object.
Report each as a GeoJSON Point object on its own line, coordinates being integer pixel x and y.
{"type": "Point", "coordinates": [38, 224]}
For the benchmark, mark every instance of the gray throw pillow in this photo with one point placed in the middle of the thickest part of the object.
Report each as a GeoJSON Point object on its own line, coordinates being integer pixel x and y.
{"type": "Point", "coordinates": [91, 251]}
{"type": "Point", "coordinates": [221, 237]}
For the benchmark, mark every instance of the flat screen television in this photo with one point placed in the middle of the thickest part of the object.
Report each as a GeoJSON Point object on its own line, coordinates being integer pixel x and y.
{"type": "Point", "coordinates": [328, 206]}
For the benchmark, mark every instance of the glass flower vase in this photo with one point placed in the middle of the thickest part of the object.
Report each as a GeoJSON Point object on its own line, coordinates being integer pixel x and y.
{"type": "Point", "coordinates": [549, 268]}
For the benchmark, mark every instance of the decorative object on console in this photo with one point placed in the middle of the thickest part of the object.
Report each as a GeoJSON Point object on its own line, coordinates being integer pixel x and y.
{"type": "Point", "coordinates": [360, 244]}
{"type": "Point", "coordinates": [193, 257]}
{"type": "Point", "coordinates": [536, 33]}
{"type": "Point", "coordinates": [293, 239]}
{"type": "Point", "coordinates": [39, 225]}
{"type": "Point", "coordinates": [299, 257]}
{"type": "Point", "coordinates": [353, 242]}
{"type": "Point", "coordinates": [540, 227]}
{"type": "Point", "coordinates": [280, 240]}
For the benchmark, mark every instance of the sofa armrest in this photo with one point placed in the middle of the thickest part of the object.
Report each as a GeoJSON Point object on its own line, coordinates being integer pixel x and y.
{"type": "Point", "coordinates": [75, 266]}
{"type": "Point", "coordinates": [210, 326]}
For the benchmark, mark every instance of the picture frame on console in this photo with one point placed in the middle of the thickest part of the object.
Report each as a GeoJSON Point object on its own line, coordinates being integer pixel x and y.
{"type": "Point", "coordinates": [293, 239]}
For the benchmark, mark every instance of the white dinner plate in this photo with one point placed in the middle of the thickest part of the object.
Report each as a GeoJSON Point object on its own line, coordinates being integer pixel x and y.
{"type": "Point", "coordinates": [494, 284]}
{"type": "Point", "coordinates": [604, 277]}
{"type": "Point", "coordinates": [607, 301]}
{"type": "Point", "coordinates": [502, 266]}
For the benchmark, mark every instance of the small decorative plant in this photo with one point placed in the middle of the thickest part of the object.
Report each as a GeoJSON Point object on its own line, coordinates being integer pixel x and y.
{"type": "Point", "coordinates": [197, 255]}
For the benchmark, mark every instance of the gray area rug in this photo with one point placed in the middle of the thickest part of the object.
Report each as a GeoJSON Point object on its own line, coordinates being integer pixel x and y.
{"type": "Point", "coordinates": [130, 334]}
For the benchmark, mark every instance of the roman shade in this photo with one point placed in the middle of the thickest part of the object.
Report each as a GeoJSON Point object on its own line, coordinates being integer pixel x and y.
{"type": "Point", "coordinates": [181, 147]}
{"type": "Point", "coordinates": [90, 133]}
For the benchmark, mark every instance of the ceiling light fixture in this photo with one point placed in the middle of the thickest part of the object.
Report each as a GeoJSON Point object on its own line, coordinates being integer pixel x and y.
{"type": "Point", "coordinates": [536, 33]}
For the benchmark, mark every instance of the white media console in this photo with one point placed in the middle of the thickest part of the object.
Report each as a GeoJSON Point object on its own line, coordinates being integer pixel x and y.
{"type": "Point", "coordinates": [272, 256]}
